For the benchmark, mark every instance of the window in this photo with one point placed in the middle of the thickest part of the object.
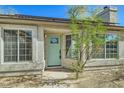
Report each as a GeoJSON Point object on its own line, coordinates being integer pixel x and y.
{"type": "Point", "coordinates": [109, 49]}
{"type": "Point", "coordinates": [54, 40]}
{"type": "Point", "coordinates": [111, 46]}
{"type": "Point", "coordinates": [99, 53]}
{"type": "Point", "coordinates": [70, 48]}
{"type": "Point", "coordinates": [10, 45]}
{"type": "Point", "coordinates": [17, 45]}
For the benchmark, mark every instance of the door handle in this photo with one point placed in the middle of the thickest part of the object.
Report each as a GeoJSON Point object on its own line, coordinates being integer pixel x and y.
{"type": "Point", "coordinates": [60, 54]}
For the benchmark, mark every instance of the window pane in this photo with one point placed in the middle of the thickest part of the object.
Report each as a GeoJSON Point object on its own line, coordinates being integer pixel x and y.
{"type": "Point", "coordinates": [22, 33]}
{"type": "Point", "coordinates": [21, 58]}
{"type": "Point", "coordinates": [14, 33]}
{"type": "Point", "coordinates": [28, 51]}
{"type": "Point", "coordinates": [8, 39]}
{"type": "Point", "coordinates": [25, 45]}
{"type": "Point", "coordinates": [14, 52]}
{"type": "Point", "coordinates": [68, 45]}
{"type": "Point", "coordinates": [111, 37]}
{"type": "Point", "coordinates": [7, 33]}
{"type": "Point", "coordinates": [22, 45]}
{"type": "Point", "coordinates": [70, 48]}
{"type": "Point", "coordinates": [28, 39]}
{"type": "Point", "coordinates": [28, 58]}
{"type": "Point", "coordinates": [11, 38]}
{"type": "Point", "coordinates": [28, 33]}
{"type": "Point", "coordinates": [22, 52]}
{"type": "Point", "coordinates": [14, 45]}
{"type": "Point", "coordinates": [7, 59]}
{"type": "Point", "coordinates": [14, 39]}
{"type": "Point", "coordinates": [7, 52]}
{"type": "Point", "coordinates": [14, 58]}
{"type": "Point", "coordinates": [98, 52]}
{"type": "Point", "coordinates": [111, 49]}
{"type": "Point", "coordinates": [111, 45]}
{"type": "Point", "coordinates": [10, 45]}
{"type": "Point", "coordinates": [7, 45]}
{"type": "Point", "coordinates": [29, 45]}
{"type": "Point", "coordinates": [22, 39]}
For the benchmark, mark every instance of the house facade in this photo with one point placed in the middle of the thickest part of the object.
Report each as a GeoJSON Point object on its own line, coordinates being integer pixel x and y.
{"type": "Point", "coordinates": [29, 44]}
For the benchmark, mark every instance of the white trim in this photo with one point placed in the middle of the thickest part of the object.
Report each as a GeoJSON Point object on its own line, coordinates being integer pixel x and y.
{"type": "Point", "coordinates": [2, 46]}
{"type": "Point", "coordinates": [103, 59]}
{"type": "Point", "coordinates": [15, 27]}
{"type": "Point", "coordinates": [20, 62]}
{"type": "Point", "coordinates": [17, 47]}
{"type": "Point", "coordinates": [105, 49]}
{"type": "Point", "coordinates": [91, 57]}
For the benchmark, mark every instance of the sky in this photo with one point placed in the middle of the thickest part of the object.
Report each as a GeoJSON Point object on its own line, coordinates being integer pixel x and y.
{"type": "Point", "coordinates": [59, 11]}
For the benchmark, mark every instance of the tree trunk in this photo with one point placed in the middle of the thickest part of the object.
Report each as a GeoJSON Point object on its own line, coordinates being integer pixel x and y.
{"type": "Point", "coordinates": [77, 74]}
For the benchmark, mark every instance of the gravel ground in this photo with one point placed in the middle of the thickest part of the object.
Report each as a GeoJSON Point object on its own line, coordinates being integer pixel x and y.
{"type": "Point", "coordinates": [64, 79]}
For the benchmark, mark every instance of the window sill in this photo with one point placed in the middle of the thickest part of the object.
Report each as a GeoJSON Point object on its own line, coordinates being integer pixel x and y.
{"type": "Point", "coordinates": [104, 59]}
{"type": "Point", "coordinates": [70, 58]}
{"type": "Point", "coordinates": [23, 62]}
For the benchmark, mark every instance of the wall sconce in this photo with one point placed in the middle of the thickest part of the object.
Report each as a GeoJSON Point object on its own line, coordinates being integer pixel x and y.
{"type": "Point", "coordinates": [45, 36]}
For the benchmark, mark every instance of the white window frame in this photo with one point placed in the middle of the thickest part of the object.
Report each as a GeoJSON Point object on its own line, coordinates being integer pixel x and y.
{"type": "Point", "coordinates": [105, 53]}
{"type": "Point", "coordinates": [96, 58]}
{"type": "Point", "coordinates": [72, 42]}
{"type": "Point", "coordinates": [17, 62]}
{"type": "Point", "coordinates": [92, 59]}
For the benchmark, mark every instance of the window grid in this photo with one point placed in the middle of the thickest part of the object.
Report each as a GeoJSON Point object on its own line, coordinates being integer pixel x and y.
{"type": "Point", "coordinates": [24, 46]}
{"type": "Point", "coordinates": [110, 48]}
{"type": "Point", "coordinates": [12, 43]}
{"type": "Point", "coordinates": [106, 51]}
{"type": "Point", "coordinates": [99, 53]}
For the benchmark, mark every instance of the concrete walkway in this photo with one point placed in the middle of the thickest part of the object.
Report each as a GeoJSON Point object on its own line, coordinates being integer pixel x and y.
{"type": "Point", "coordinates": [53, 78]}
{"type": "Point", "coordinates": [56, 73]}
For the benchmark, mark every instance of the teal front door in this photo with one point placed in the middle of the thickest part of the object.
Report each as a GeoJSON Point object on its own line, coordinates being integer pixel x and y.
{"type": "Point", "coordinates": [54, 50]}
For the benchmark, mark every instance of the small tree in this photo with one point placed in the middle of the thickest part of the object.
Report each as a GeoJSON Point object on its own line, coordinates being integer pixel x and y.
{"type": "Point", "coordinates": [87, 32]}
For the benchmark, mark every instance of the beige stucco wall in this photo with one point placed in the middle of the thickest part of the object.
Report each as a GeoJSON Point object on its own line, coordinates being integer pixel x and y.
{"type": "Point", "coordinates": [66, 62]}
{"type": "Point", "coordinates": [36, 66]}
{"type": "Point", "coordinates": [40, 30]}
